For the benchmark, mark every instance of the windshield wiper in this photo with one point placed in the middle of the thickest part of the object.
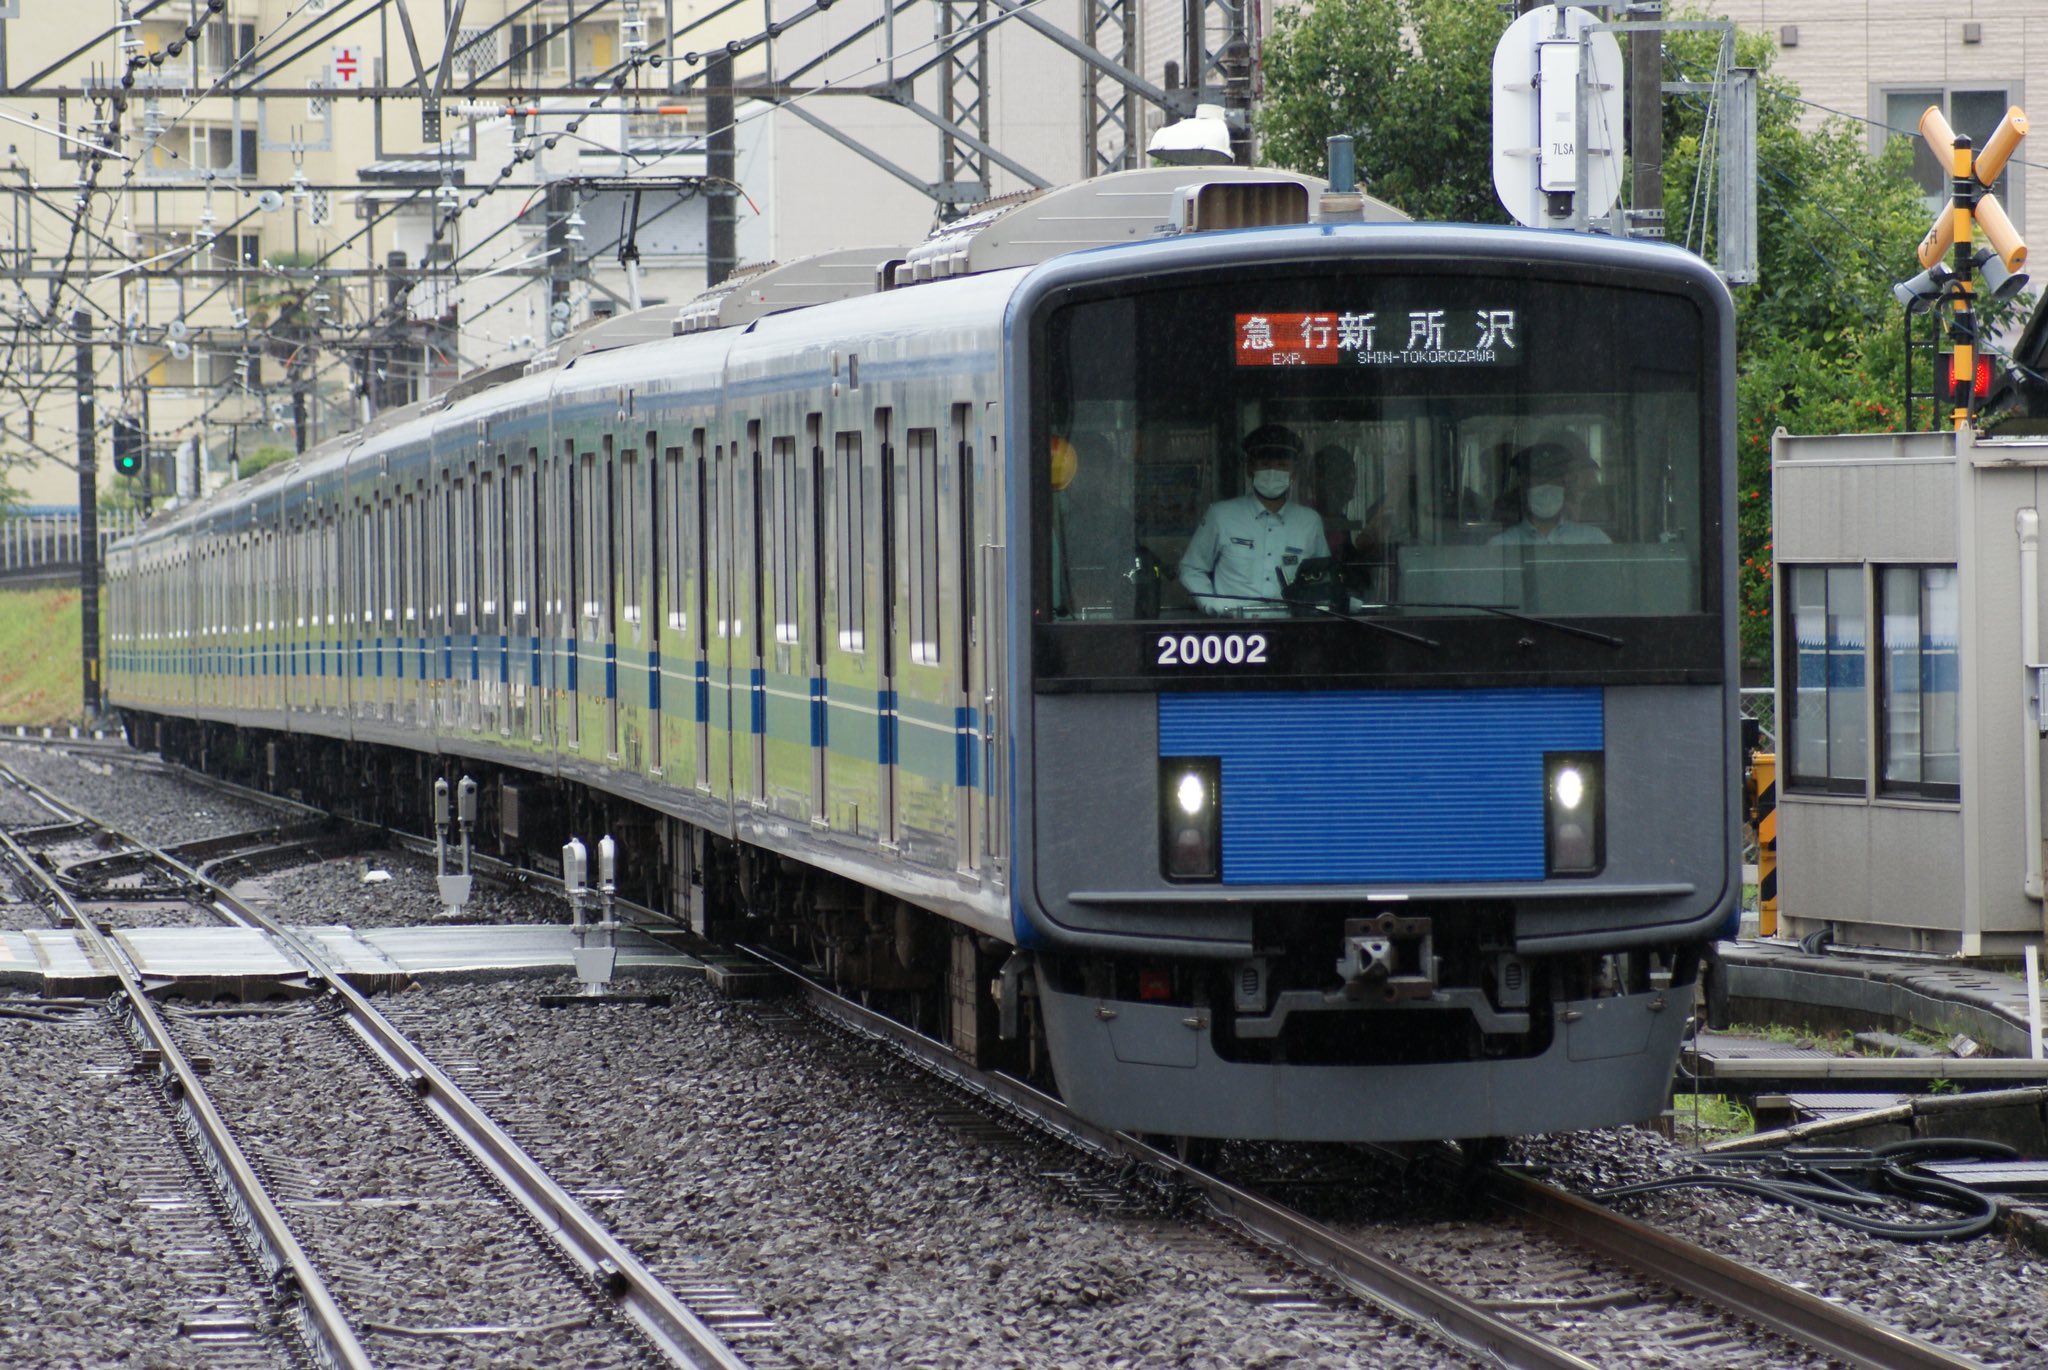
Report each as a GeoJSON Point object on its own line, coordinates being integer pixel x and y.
{"type": "Point", "coordinates": [1590, 634]}
{"type": "Point", "coordinates": [1388, 629]}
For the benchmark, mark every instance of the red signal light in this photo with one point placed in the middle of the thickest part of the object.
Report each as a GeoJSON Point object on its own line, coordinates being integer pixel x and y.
{"type": "Point", "coordinates": [1983, 377]}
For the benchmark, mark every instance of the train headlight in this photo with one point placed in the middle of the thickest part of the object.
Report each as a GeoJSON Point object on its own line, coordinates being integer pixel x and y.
{"type": "Point", "coordinates": [1574, 814]}
{"type": "Point", "coordinates": [1189, 817]}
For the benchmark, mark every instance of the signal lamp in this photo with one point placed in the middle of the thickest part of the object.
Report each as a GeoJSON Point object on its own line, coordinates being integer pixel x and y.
{"type": "Point", "coordinates": [1982, 380]}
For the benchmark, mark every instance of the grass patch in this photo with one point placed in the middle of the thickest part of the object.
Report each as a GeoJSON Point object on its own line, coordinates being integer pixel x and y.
{"type": "Point", "coordinates": [1701, 1118]}
{"type": "Point", "coordinates": [41, 678]}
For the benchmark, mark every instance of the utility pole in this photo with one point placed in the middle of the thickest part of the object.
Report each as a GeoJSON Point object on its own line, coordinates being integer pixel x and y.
{"type": "Point", "coordinates": [88, 518]}
{"type": "Point", "coordinates": [721, 208]}
{"type": "Point", "coordinates": [1646, 120]}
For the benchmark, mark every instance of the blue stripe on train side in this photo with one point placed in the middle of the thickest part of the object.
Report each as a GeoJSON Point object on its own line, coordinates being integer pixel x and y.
{"type": "Point", "coordinates": [1365, 786]}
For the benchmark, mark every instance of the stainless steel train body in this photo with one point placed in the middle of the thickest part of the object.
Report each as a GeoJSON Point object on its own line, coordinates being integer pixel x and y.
{"type": "Point", "coordinates": [806, 591]}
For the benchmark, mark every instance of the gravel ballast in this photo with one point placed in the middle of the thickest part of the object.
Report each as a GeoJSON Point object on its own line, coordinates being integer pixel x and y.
{"type": "Point", "coordinates": [750, 1146]}
{"type": "Point", "coordinates": [107, 1241]}
{"type": "Point", "coordinates": [133, 794]}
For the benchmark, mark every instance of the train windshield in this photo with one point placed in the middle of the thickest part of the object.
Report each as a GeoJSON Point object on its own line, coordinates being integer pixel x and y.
{"type": "Point", "coordinates": [1385, 445]}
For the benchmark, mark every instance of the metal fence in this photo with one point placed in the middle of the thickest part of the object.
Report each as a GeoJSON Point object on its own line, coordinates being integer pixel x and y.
{"type": "Point", "coordinates": [1761, 704]}
{"type": "Point", "coordinates": [32, 543]}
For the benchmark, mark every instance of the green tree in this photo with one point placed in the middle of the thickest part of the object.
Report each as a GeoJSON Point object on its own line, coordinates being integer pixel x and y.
{"type": "Point", "coordinates": [1820, 346]}
{"type": "Point", "coordinates": [1410, 80]}
{"type": "Point", "coordinates": [1819, 343]}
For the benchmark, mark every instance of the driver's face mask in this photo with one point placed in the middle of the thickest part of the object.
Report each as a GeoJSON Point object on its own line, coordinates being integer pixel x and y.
{"type": "Point", "coordinates": [1546, 501]}
{"type": "Point", "coordinates": [1271, 482]}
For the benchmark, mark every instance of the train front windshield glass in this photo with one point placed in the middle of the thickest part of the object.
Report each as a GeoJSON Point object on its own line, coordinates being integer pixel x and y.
{"type": "Point", "coordinates": [1385, 444]}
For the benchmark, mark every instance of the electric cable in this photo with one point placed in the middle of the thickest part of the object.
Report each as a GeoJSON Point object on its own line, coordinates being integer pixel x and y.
{"type": "Point", "coordinates": [1843, 1185]}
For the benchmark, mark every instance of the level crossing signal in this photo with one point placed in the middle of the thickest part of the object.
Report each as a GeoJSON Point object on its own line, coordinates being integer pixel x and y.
{"type": "Point", "coordinates": [1971, 206]}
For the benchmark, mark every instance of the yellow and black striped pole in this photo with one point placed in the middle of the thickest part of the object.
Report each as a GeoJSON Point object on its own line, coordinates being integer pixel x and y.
{"type": "Point", "coordinates": [1971, 206]}
{"type": "Point", "coordinates": [1764, 767]}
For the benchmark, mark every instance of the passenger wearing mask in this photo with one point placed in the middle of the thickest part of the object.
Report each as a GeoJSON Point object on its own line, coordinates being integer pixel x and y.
{"type": "Point", "coordinates": [1552, 474]}
{"type": "Point", "coordinates": [1248, 548]}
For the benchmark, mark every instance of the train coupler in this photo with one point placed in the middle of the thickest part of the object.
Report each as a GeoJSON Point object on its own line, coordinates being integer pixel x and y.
{"type": "Point", "coordinates": [1390, 957]}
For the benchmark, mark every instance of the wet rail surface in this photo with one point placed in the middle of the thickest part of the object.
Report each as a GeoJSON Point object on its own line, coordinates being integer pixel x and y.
{"type": "Point", "coordinates": [331, 1124]}
{"type": "Point", "coordinates": [1542, 1278]}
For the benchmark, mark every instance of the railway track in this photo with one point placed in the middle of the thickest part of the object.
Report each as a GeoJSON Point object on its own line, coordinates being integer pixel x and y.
{"type": "Point", "coordinates": [1578, 1285]}
{"type": "Point", "coordinates": [386, 1072]}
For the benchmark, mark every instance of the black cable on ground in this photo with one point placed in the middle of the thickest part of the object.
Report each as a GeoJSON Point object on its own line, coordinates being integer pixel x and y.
{"type": "Point", "coordinates": [1841, 1184]}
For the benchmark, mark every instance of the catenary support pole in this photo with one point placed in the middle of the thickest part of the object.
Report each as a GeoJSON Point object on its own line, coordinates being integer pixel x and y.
{"type": "Point", "coordinates": [88, 520]}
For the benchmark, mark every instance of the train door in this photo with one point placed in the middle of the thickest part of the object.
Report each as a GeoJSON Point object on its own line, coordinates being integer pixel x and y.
{"type": "Point", "coordinates": [889, 516]}
{"type": "Point", "coordinates": [967, 746]}
{"type": "Point", "coordinates": [992, 609]}
{"type": "Point", "coordinates": [368, 687]}
{"type": "Point", "coordinates": [414, 521]}
{"type": "Point", "coordinates": [333, 695]}
{"type": "Point", "coordinates": [386, 629]}
{"type": "Point", "coordinates": [813, 615]}
{"type": "Point", "coordinates": [572, 592]}
{"type": "Point", "coordinates": [787, 765]}
{"type": "Point", "coordinates": [621, 551]}
{"type": "Point", "coordinates": [755, 620]}
{"type": "Point", "coordinates": [490, 525]}
{"type": "Point", "coordinates": [706, 604]}
{"type": "Point", "coordinates": [520, 660]}
{"type": "Point", "coordinates": [613, 568]}
{"type": "Point", "coordinates": [463, 596]}
{"type": "Point", "coordinates": [659, 592]}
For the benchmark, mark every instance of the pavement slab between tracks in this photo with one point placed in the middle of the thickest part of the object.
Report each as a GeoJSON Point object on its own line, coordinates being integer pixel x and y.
{"type": "Point", "coordinates": [57, 961]}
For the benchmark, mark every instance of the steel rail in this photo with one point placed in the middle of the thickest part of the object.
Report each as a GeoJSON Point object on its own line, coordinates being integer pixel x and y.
{"type": "Point", "coordinates": [1725, 1283]}
{"type": "Point", "coordinates": [596, 1254]}
{"type": "Point", "coordinates": [1716, 1280]}
{"type": "Point", "coordinates": [600, 1257]}
{"type": "Point", "coordinates": [1364, 1273]}
{"type": "Point", "coordinates": [329, 1337]}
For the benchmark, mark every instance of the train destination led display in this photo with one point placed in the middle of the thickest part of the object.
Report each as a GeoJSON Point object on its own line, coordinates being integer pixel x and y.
{"type": "Point", "coordinates": [1416, 337]}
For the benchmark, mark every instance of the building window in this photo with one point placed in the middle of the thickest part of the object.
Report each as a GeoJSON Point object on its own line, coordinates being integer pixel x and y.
{"type": "Point", "coordinates": [1826, 729]}
{"type": "Point", "coordinates": [1918, 617]}
{"type": "Point", "coordinates": [1973, 113]}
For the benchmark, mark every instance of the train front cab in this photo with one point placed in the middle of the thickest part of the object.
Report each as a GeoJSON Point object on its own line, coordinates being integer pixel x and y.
{"type": "Point", "coordinates": [1423, 841]}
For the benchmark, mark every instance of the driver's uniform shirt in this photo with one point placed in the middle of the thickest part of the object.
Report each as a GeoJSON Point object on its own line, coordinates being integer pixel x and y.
{"type": "Point", "coordinates": [1244, 549]}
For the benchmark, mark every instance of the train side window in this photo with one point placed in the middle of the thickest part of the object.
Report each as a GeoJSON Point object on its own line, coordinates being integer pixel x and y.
{"type": "Point", "coordinates": [629, 504]}
{"type": "Point", "coordinates": [850, 561]}
{"type": "Point", "coordinates": [922, 448]}
{"type": "Point", "coordinates": [783, 531]}
{"type": "Point", "coordinates": [675, 614]}
{"type": "Point", "coordinates": [491, 526]}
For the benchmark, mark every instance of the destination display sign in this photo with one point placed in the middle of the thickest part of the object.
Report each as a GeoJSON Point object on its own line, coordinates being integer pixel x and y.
{"type": "Point", "coordinates": [1414, 337]}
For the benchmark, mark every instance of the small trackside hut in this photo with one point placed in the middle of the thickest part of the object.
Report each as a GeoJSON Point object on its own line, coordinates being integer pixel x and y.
{"type": "Point", "coordinates": [1909, 669]}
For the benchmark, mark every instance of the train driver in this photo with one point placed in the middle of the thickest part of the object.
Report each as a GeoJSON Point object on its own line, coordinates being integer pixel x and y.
{"type": "Point", "coordinates": [1553, 476]}
{"type": "Point", "coordinates": [1248, 548]}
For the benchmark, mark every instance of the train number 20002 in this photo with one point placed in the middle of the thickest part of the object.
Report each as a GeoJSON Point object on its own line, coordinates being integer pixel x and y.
{"type": "Point", "coordinates": [1212, 649]}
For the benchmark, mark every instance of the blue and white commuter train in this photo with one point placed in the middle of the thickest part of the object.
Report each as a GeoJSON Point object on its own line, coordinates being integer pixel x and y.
{"type": "Point", "coordinates": [848, 598]}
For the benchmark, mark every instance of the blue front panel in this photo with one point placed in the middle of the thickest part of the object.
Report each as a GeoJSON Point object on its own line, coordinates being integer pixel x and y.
{"type": "Point", "coordinates": [1379, 787]}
